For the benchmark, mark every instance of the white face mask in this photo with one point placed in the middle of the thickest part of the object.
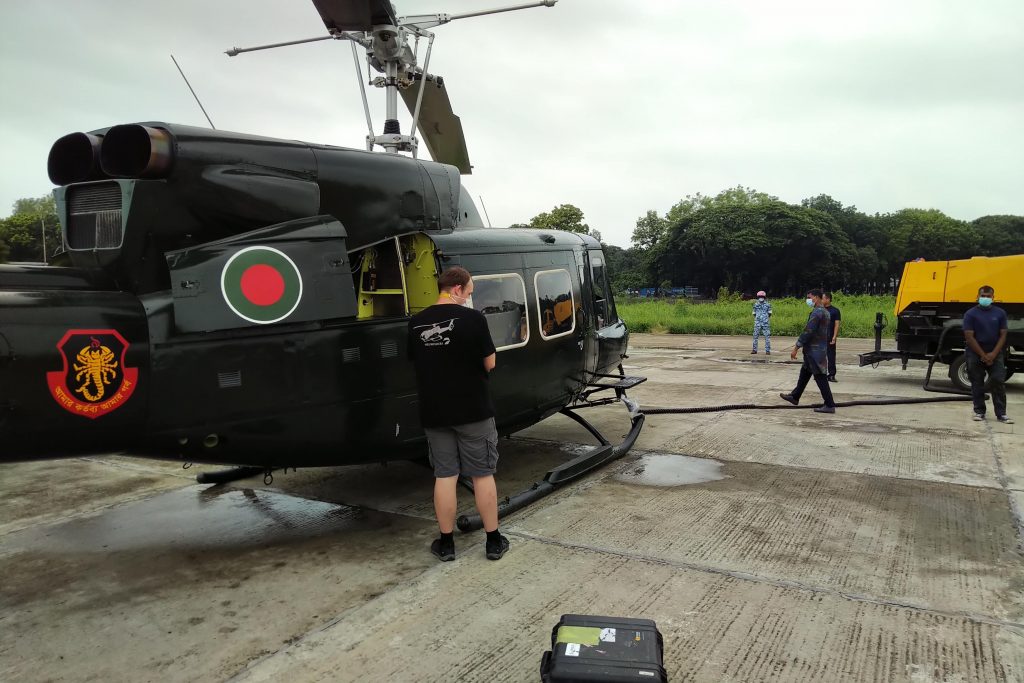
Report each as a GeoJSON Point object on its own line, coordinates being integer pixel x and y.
{"type": "Point", "coordinates": [460, 300]}
{"type": "Point", "coordinates": [810, 301]}
{"type": "Point", "coordinates": [761, 299]}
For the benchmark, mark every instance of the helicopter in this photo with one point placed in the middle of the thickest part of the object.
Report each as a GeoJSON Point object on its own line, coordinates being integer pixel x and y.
{"type": "Point", "coordinates": [242, 300]}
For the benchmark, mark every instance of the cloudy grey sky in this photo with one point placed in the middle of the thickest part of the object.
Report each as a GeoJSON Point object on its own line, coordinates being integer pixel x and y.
{"type": "Point", "coordinates": [617, 107]}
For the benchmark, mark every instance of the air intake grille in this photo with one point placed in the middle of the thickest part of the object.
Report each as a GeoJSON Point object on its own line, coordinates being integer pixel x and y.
{"type": "Point", "coordinates": [94, 216]}
{"type": "Point", "coordinates": [228, 380]}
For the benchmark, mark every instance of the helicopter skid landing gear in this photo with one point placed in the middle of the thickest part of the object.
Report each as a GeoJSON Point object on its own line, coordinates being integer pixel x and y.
{"type": "Point", "coordinates": [233, 474]}
{"type": "Point", "coordinates": [567, 472]}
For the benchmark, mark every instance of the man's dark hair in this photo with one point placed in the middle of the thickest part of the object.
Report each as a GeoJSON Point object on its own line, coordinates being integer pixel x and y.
{"type": "Point", "coordinates": [453, 277]}
{"type": "Point", "coordinates": [815, 292]}
{"type": "Point", "coordinates": [986, 288]}
{"type": "Point", "coordinates": [828, 294]}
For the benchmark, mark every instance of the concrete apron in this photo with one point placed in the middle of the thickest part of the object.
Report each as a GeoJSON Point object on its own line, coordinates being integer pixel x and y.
{"type": "Point", "coordinates": [877, 544]}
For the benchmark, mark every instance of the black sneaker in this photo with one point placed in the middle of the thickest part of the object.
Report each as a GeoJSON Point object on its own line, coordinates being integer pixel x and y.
{"type": "Point", "coordinates": [443, 551]}
{"type": "Point", "coordinates": [754, 352]}
{"type": "Point", "coordinates": [496, 550]}
{"type": "Point", "coordinates": [789, 398]}
{"type": "Point", "coordinates": [825, 409]}
{"type": "Point", "coordinates": [1005, 419]}
{"type": "Point", "coordinates": [832, 379]}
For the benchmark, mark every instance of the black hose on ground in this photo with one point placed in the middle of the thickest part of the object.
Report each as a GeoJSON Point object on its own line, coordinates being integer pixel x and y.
{"type": "Point", "coordinates": [931, 364]}
{"type": "Point", "coordinates": [841, 404]}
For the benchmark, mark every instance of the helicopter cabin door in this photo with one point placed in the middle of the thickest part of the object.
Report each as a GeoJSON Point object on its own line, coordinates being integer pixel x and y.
{"type": "Point", "coordinates": [611, 333]}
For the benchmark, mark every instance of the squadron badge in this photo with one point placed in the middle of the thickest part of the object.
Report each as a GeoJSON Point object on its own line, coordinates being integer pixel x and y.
{"type": "Point", "coordinates": [95, 379]}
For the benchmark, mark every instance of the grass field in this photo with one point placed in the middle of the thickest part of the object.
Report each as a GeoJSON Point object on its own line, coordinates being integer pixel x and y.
{"type": "Point", "coordinates": [735, 317]}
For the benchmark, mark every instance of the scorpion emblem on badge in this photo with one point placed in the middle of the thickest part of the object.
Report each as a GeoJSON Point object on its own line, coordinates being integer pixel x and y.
{"type": "Point", "coordinates": [97, 368]}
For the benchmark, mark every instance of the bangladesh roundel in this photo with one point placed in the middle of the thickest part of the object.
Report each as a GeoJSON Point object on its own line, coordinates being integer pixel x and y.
{"type": "Point", "coordinates": [261, 285]}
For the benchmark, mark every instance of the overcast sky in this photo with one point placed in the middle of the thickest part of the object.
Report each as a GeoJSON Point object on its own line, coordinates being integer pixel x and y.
{"type": "Point", "coordinates": [617, 107]}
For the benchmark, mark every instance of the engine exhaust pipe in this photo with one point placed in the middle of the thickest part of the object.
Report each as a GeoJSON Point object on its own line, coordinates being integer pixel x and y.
{"type": "Point", "coordinates": [134, 151]}
{"type": "Point", "coordinates": [75, 158]}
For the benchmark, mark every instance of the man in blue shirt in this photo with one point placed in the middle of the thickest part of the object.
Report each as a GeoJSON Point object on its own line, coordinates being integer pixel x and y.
{"type": "Point", "coordinates": [985, 328]}
{"type": "Point", "coordinates": [814, 341]}
{"type": "Point", "coordinates": [835, 316]}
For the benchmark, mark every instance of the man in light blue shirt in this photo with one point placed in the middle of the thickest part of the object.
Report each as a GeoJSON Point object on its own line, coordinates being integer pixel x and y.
{"type": "Point", "coordinates": [762, 316]}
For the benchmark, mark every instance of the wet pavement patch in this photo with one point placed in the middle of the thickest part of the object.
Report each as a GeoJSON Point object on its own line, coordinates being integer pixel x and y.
{"type": "Point", "coordinates": [197, 517]}
{"type": "Point", "coordinates": [667, 469]}
{"type": "Point", "coordinates": [192, 584]}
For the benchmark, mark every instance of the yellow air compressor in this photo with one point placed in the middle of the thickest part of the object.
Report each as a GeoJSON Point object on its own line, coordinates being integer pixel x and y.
{"type": "Point", "coordinates": [930, 305]}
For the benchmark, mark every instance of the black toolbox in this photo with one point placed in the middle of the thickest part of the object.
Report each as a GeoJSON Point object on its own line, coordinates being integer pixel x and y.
{"type": "Point", "coordinates": [587, 649]}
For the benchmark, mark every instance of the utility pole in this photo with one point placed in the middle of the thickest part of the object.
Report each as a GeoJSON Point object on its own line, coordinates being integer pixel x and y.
{"type": "Point", "coordinates": [42, 224]}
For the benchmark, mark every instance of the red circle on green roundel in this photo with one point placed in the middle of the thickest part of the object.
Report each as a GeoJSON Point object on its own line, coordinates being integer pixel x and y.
{"type": "Point", "coordinates": [261, 284]}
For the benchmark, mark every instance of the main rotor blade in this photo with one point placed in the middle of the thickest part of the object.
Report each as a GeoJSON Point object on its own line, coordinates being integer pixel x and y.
{"type": "Point", "coordinates": [440, 128]}
{"type": "Point", "coordinates": [355, 15]}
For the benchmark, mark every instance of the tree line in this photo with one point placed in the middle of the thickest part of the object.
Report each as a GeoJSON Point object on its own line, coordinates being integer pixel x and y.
{"type": "Point", "coordinates": [22, 233]}
{"type": "Point", "coordinates": [743, 240]}
{"type": "Point", "coordinates": [746, 240]}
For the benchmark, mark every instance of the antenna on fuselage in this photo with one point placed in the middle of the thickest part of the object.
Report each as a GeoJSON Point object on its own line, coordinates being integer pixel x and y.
{"type": "Point", "coordinates": [193, 93]}
{"type": "Point", "coordinates": [485, 210]}
{"type": "Point", "coordinates": [374, 25]}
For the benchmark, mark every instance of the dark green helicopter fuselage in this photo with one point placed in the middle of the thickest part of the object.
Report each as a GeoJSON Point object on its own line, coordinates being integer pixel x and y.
{"type": "Point", "coordinates": [241, 300]}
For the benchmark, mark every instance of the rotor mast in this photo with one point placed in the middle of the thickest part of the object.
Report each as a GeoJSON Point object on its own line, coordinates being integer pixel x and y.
{"type": "Point", "coordinates": [373, 25]}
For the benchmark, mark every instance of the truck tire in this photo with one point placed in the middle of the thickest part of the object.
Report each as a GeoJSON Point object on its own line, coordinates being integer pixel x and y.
{"type": "Point", "coordinates": [958, 374]}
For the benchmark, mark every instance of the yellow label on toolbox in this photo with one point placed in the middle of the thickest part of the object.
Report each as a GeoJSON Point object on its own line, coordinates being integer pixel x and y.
{"type": "Point", "coordinates": [584, 635]}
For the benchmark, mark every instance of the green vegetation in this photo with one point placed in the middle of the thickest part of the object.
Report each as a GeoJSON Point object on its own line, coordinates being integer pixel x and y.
{"type": "Point", "coordinates": [21, 234]}
{"type": "Point", "coordinates": [748, 240]}
{"type": "Point", "coordinates": [563, 217]}
{"type": "Point", "coordinates": [731, 316]}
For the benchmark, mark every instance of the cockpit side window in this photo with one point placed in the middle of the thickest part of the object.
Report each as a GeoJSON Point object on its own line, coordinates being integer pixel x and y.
{"type": "Point", "coordinates": [604, 305]}
{"type": "Point", "coordinates": [502, 300]}
{"type": "Point", "coordinates": [556, 305]}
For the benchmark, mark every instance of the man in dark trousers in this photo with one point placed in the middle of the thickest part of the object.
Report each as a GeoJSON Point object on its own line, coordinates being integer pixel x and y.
{"type": "Point", "coordinates": [814, 341]}
{"type": "Point", "coordinates": [451, 348]}
{"type": "Point", "coordinates": [835, 317]}
{"type": "Point", "coordinates": [985, 328]}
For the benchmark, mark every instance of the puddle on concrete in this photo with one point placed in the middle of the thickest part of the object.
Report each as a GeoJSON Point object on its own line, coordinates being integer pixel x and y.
{"type": "Point", "coordinates": [201, 517]}
{"type": "Point", "coordinates": [666, 469]}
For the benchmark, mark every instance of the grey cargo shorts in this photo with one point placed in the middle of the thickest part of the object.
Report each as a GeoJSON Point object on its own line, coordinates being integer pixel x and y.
{"type": "Point", "coordinates": [470, 449]}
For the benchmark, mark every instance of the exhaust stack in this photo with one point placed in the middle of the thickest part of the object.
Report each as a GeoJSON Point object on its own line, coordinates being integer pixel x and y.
{"type": "Point", "coordinates": [134, 151]}
{"type": "Point", "coordinates": [75, 158]}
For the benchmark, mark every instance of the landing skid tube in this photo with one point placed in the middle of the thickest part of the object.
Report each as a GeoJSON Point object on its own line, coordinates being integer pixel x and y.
{"type": "Point", "coordinates": [574, 469]}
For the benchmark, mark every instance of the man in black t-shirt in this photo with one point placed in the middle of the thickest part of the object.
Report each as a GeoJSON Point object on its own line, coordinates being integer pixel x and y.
{"type": "Point", "coordinates": [835, 316]}
{"type": "Point", "coordinates": [451, 348]}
